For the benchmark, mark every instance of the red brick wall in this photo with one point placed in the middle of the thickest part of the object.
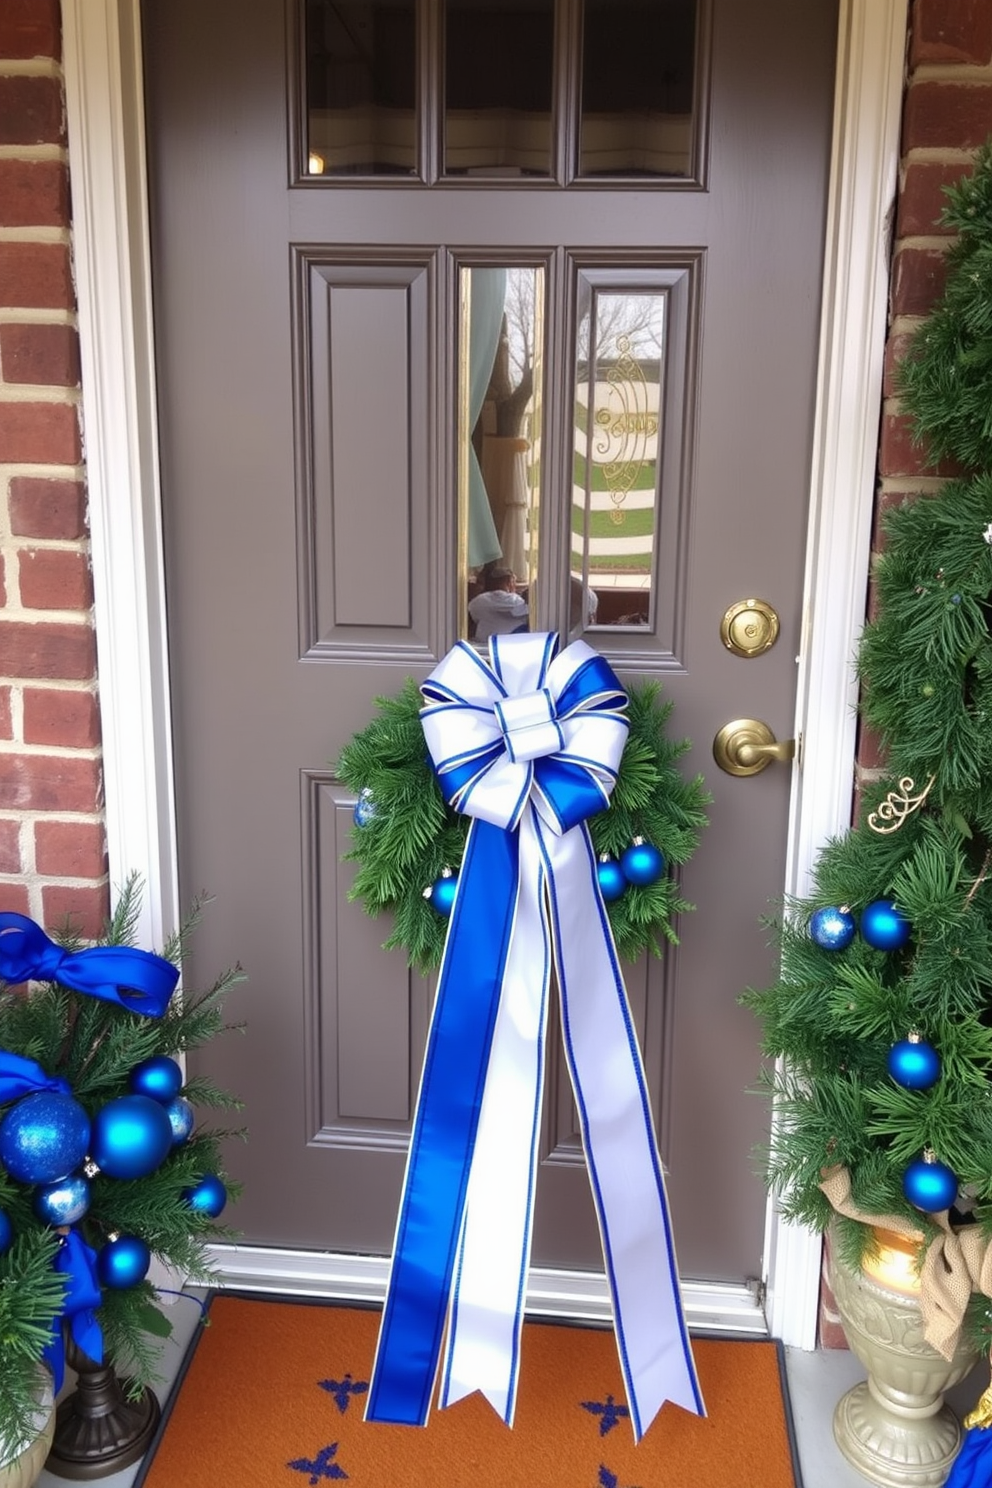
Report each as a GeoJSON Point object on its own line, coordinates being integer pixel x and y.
{"type": "Point", "coordinates": [52, 844]}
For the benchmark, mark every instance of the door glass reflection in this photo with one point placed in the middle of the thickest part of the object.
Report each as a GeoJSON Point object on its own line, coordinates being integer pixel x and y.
{"type": "Point", "coordinates": [499, 439]}
{"type": "Point", "coordinates": [615, 481]}
{"type": "Point", "coordinates": [361, 87]}
{"type": "Point", "coordinates": [498, 60]}
{"type": "Point", "coordinates": [638, 73]}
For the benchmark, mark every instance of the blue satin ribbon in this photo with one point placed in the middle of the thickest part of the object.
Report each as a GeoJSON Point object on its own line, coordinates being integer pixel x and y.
{"type": "Point", "coordinates": [22, 1076]}
{"type": "Point", "coordinates": [136, 980]}
{"type": "Point", "coordinates": [76, 1262]}
{"type": "Point", "coordinates": [973, 1465]}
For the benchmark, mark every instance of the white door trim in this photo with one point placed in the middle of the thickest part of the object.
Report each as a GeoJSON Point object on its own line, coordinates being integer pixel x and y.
{"type": "Point", "coordinates": [102, 61]}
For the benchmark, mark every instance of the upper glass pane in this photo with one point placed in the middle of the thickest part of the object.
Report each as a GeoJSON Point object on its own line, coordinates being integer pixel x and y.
{"type": "Point", "coordinates": [498, 65]}
{"type": "Point", "coordinates": [361, 87]}
{"type": "Point", "coordinates": [638, 82]}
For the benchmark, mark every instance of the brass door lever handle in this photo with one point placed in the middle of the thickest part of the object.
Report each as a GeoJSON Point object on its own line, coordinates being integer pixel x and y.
{"type": "Point", "coordinates": [747, 746]}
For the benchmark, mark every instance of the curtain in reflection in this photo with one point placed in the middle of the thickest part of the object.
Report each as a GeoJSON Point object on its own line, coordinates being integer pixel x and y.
{"type": "Point", "coordinates": [488, 291]}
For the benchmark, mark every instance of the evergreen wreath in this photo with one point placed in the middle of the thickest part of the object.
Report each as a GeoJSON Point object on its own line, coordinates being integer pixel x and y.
{"type": "Point", "coordinates": [411, 836]}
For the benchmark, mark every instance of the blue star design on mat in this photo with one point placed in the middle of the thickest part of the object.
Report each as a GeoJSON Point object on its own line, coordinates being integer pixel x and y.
{"type": "Point", "coordinates": [343, 1390]}
{"type": "Point", "coordinates": [609, 1412]}
{"type": "Point", "coordinates": [321, 1466]}
{"type": "Point", "coordinates": [606, 1478]}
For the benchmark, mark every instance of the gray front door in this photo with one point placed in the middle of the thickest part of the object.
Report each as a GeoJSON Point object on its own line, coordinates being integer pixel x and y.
{"type": "Point", "coordinates": [325, 216]}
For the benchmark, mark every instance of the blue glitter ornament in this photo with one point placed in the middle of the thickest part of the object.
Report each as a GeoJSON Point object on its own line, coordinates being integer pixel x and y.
{"type": "Point", "coordinates": [831, 929]}
{"type": "Point", "coordinates": [885, 927]}
{"type": "Point", "coordinates": [62, 1203]}
{"type": "Point", "coordinates": [914, 1064]}
{"type": "Point", "coordinates": [364, 807]}
{"type": "Point", "coordinates": [131, 1136]}
{"type": "Point", "coordinates": [929, 1184]}
{"type": "Point", "coordinates": [123, 1262]}
{"type": "Point", "coordinates": [181, 1118]}
{"type": "Point", "coordinates": [642, 863]}
{"type": "Point", "coordinates": [6, 1232]}
{"type": "Point", "coordinates": [611, 880]}
{"type": "Point", "coordinates": [44, 1137]}
{"type": "Point", "coordinates": [442, 893]}
{"type": "Point", "coordinates": [158, 1077]}
{"type": "Point", "coordinates": [208, 1197]}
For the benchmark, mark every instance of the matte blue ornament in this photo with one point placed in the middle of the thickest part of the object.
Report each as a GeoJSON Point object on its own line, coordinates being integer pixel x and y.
{"type": "Point", "coordinates": [123, 1262]}
{"type": "Point", "coordinates": [6, 1232]}
{"type": "Point", "coordinates": [131, 1136]}
{"type": "Point", "coordinates": [44, 1137]}
{"type": "Point", "coordinates": [181, 1119]}
{"type": "Point", "coordinates": [611, 880]}
{"type": "Point", "coordinates": [442, 893]}
{"type": "Point", "coordinates": [885, 927]}
{"type": "Point", "coordinates": [642, 863]}
{"type": "Point", "coordinates": [158, 1077]}
{"type": "Point", "coordinates": [914, 1064]}
{"type": "Point", "coordinates": [364, 807]}
{"type": "Point", "coordinates": [62, 1203]}
{"type": "Point", "coordinates": [208, 1197]}
{"type": "Point", "coordinates": [930, 1185]}
{"type": "Point", "coordinates": [831, 929]}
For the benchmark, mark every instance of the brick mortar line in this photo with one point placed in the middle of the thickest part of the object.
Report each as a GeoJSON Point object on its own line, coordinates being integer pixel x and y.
{"type": "Point", "coordinates": [38, 470]}
{"type": "Point", "coordinates": [31, 67]}
{"type": "Point", "coordinates": [50, 751]}
{"type": "Point", "coordinates": [931, 241]}
{"type": "Point", "coordinates": [25, 315]}
{"type": "Point", "coordinates": [38, 234]}
{"type": "Point", "coordinates": [30, 153]}
{"type": "Point", "coordinates": [40, 392]}
{"type": "Point", "coordinates": [950, 72]}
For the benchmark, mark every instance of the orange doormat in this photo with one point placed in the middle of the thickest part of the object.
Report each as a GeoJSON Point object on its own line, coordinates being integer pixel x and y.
{"type": "Point", "coordinates": [274, 1392]}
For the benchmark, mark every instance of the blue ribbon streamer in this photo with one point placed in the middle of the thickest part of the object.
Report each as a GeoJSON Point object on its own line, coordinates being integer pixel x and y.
{"type": "Point", "coordinates": [136, 980]}
{"type": "Point", "coordinates": [973, 1465]}
{"type": "Point", "coordinates": [22, 1076]}
{"type": "Point", "coordinates": [76, 1262]}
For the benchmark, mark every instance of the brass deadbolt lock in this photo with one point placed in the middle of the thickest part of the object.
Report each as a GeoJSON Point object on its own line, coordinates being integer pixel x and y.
{"type": "Point", "coordinates": [749, 627]}
{"type": "Point", "coordinates": [747, 746]}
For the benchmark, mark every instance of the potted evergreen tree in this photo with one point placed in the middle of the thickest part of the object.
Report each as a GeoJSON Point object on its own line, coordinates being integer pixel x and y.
{"type": "Point", "coordinates": [880, 1023]}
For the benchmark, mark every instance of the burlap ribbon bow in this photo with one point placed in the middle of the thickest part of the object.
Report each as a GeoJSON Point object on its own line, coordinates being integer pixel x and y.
{"type": "Point", "coordinates": [956, 1263]}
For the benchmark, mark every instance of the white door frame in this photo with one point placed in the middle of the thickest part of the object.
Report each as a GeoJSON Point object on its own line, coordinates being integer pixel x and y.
{"type": "Point", "coordinates": [102, 61]}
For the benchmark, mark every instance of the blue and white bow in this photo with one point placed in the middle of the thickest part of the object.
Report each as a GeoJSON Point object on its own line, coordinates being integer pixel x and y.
{"type": "Point", "coordinates": [528, 747]}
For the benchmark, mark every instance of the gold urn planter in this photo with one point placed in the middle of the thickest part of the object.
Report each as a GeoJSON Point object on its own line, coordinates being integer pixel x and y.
{"type": "Point", "coordinates": [894, 1427]}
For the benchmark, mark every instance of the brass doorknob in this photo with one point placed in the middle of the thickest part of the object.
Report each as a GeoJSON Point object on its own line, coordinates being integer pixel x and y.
{"type": "Point", "coordinates": [747, 746]}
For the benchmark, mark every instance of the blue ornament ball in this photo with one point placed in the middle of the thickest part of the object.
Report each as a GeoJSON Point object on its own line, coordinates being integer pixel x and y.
{"type": "Point", "coordinates": [208, 1197]}
{"type": "Point", "coordinates": [885, 927]}
{"type": "Point", "coordinates": [131, 1136]}
{"type": "Point", "coordinates": [62, 1203]}
{"type": "Point", "coordinates": [642, 863]}
{"type": "Point", "coordinates": [123, 1262]}
{"type": "Point", "coordinates": [181, 1118]}
{"type": "Point", "coordinates": [6, 1232]}
{"type": "Point", "coordinates": [611, 880]}
{"type": "Point", "coordinates": [159, 1077]}
{"type": "Point", "coordinates": [364, 807]}
{"type": "Point", "coordinates": [442, 894]}
{"type": "Point", "coordinates": [914, 1064]}
{"type": "Point", "coordinates": [831, 929]}
{"type": "Point", "coordinates": [44, 1137]}
{"type": "Point", "coordinates": [931, 1186]}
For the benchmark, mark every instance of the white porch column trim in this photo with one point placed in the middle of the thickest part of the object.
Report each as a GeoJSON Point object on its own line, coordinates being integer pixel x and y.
{"type": "Point", "coordinates": [102, 61]}
{"type": "Point", "coordinates": [865, 158]}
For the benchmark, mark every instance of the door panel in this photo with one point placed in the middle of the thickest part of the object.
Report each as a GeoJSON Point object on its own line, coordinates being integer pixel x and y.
{"type": "Point", "coordinates": [307, 333]}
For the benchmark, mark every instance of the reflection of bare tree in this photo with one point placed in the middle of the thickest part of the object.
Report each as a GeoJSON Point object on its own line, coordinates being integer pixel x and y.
{"type": "Point", "coordinates": [512, 382]}
{"type": "Point", "coordinates": [636, 317]}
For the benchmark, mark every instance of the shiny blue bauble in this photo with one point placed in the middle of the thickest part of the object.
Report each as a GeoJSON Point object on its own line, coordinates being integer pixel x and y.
{"type": "Point", "coordinates": [913, 1064]}
{"type": "Point", "coordinates": [208, 1197]}
{"type": "Point", "coordinates": [885, 927]}
{"type": "Point", "coordinates": [931, 1186]}
{"type": "Point", "coordinates": [6, 1232]}
{"type": "Point", "coordinates": [364, 808]}
{"type": "Point", "coordinates": [611, 880]}
{"type": "Point", "coordinates": [123, 1262]}
{"type": "Point", "coordinates": [44, 1137]}
{"type": "Point", "coordinates": [442, 894]}
{"type": "Point", "coordinates": [831, 929]}
{"type": "Point", "coordinates": [642, 863]}
{"type": "Point", "coordinates": [158, 1077]}
{"type": "Point", "coordinates": [131, 1136]}
{"type": "Point", "coordinates": [181, 1118]}
{"type": "Point", "coordinates": [62, 1203]}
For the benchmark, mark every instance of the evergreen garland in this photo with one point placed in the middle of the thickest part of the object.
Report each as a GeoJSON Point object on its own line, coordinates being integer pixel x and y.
{"type": "Point", "coordinates": [925, 665]}
{"type": "Point", "coordinates": [95, 1045]}
{"type": "Point", "coordinates": [412, 836]}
